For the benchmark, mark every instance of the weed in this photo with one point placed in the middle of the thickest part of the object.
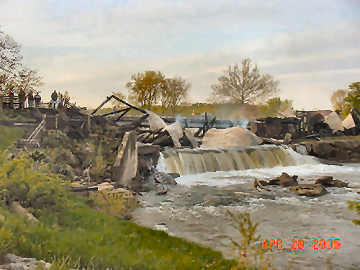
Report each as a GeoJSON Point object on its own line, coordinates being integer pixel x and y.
{"type": "Point", "coordinates": [250, 252]}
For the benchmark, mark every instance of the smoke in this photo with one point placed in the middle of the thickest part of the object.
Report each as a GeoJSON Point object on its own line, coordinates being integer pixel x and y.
{"type": "Point", "coordinates": [179, 120]}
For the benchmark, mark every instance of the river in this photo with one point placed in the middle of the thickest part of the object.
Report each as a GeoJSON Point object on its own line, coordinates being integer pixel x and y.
{"type": "Point", "coordinates": [197, 208]}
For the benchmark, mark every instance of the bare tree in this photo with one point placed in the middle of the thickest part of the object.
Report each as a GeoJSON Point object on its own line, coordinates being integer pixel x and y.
{"type": "Point", "coordinates": [244, 84]}
{"type": "Point", "coordinates": [174, 93]}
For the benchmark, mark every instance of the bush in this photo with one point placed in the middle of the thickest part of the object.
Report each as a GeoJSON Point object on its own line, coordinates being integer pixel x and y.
{"type": "Point", "coordinates": [32, 189]}
{"type": "Point", "coordinates": [355, 205]}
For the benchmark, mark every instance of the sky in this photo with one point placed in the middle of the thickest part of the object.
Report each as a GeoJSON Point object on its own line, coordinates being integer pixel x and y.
{"type": "Point", "coordinates": [90, 48]}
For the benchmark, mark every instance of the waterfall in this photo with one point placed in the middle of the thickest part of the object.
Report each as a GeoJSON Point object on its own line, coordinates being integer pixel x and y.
{"type": "Point", "coordinates": [192, 161]}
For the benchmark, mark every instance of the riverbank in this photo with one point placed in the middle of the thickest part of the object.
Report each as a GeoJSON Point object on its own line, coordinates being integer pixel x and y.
{"type": "Point", "coordinates": [341, 148]}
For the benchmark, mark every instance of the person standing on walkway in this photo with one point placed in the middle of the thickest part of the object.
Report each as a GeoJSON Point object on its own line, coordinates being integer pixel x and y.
{"type": "Point", "coordinates": [22, 97]}
{"type": "Point", "coordinates": [37, 100]}
{"type": "Point", "coordinates": [30, 98]}
{"type": "Point", "coordinates": [11, 99]}
{"type": "Point", "coordinates": [54, 97]}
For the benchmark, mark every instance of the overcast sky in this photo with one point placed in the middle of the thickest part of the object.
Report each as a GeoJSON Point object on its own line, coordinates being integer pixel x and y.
{"type": "Point", "coordinates": [91, 47]}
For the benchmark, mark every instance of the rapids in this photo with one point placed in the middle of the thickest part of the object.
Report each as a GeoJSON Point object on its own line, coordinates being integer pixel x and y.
{"type": "Point", "coordinates": [194, 161]}
{"type": "Point", "coordinates": [215, 181]}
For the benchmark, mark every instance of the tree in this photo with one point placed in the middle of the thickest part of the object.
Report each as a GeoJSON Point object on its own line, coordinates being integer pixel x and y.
{"type": "Point", "coordinates": [116, 104]}
{"type": "Point", "coordinates": [28, 80]}
{"type": "Point", "coordinates": [174, 93]}
{"type": "Point", "coordinates": [353, 97]}
{"type": "Point", "coordinates": [146, 88]}
{"type": "Point", "coordinates": [244, 84]}
{"type": "Point", "coordinates": [338, 99]}
{"type": "Point", "coordinates": [275, 106]}
{"type": "Point", "coordinates": [10, 56]}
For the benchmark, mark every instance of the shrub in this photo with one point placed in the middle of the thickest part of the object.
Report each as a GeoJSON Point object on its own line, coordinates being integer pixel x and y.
{"type": "Point", "coordinates": [355, 205]}
{"type": "Point", "coordinates": [32, 189]}
{"type": "Point", "coordinates": [251, 253]}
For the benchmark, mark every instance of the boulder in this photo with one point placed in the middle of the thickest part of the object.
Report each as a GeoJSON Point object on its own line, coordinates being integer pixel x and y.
{"type": "Point", "coordinates": [328, 181]}
{"type": "Point", "coordinates": [286, 180]}
{"type": "Point", "coordinates": [22, 212]}
{"type": "Point", "coordinates": [161, 190]}
{"type": "Point", "coordinates": [310, 190]}
{"type": "Point", "coordinates": [272, 182]}
{"type": "Point", "coordinates": [163, 178]}
{"type": "Point", "coordinates": [126, 163]}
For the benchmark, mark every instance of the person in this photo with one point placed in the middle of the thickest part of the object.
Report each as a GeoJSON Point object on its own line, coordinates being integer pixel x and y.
{"type": "Point", "coordinates": [11, 99]}
{"type": "Point", "coordinates": [37, 100]}
{"type": "Point", "coordinates": [54, 97]}
{"type": "Point", "coordinates": [22, 97]}
{"type": "Point", "coordinates": [30, 98]}
{"type": "Point", "coordinates": [66, 99]}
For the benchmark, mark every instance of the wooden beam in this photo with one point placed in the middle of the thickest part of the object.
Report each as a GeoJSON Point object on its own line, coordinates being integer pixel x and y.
{"type": "Point", "coordinates": [102, 104]}
{"type": "Point", "coordinates": [131, 106]}
{"type": "Point", "coordinates": [124, 112]}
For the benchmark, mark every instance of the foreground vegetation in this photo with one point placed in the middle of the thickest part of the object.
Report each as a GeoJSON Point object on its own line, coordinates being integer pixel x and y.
{"type": "Point", "coordinates": [70, 228]}
{"type": "Point", "coordinates": [9, 135]}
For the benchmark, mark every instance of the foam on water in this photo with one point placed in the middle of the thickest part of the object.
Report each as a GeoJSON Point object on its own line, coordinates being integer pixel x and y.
{"type": "Point", "coordinates": [226, 178]}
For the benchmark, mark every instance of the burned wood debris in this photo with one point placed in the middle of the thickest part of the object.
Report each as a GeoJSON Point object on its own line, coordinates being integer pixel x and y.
{"type": "Point", "coordinates": [306, 124]}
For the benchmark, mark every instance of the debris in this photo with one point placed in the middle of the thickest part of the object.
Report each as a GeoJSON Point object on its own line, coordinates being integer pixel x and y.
{"type": "Point", "coordinates": [126, 162]}
{"type": "Point", "coordinates": [309, 190]}
{"type": "Point", "coordinates": [328, 181]}
{"type": "Point", "coordinates": [286, 180]}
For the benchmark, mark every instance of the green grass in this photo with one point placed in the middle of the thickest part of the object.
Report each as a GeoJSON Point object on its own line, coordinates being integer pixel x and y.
{"type": "Point", "coordinates": [70, 228]}
{"type": "Point", "coordinates": [9, 135]}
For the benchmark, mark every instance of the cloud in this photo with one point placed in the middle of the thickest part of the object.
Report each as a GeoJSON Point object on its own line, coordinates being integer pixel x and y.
{"type": "Point", "coordinates": [91, 48]}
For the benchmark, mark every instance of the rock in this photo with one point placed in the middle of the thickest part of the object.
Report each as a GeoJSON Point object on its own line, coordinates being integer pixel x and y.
{"type": "Point", "coordinates": [274, 182]}
{"type": "Point", "coordinates": [105, 186]}
{"type": "Point", "coordinates": [21, 211]}
{"type": "Point", "coordinates": [126, 162]}
{"type": "Point", "coordinates": [310, 190]}
{"type": "Point", "coordinates": [286, 180]}
{"type": "Point", "coordinates": [161, 190]}
{"type": "Point", "coordinates": [287, 138]}
{"type": "Point", "coordinates": [174, 175]}
{"type": "Point", "coordinates": [163, 178]}
{"type": "Point", "coordinates": [328, 181]}
{"type": "Point", "coordinates": [13, 262]}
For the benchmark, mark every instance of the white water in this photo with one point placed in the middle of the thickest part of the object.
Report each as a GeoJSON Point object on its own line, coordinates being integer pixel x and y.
{"type": "Point", "coordinates": [194, 161]}
{"type": "Point", "coordinates": [281, 213]}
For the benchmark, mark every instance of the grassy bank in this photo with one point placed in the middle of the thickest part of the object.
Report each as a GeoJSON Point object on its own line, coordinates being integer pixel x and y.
{"type": "Point", "coordinates": [9, 135]}
{"type": "Point", "coordinates": [70, 228]}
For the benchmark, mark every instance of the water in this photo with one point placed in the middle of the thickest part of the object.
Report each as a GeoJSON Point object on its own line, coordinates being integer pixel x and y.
{"type": "Point", "coordinates": [194, 161]}
{"type": "Point", "coordinates": [197, 208]}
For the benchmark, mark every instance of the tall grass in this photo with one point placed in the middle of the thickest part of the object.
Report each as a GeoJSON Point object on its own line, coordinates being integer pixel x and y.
{"type": "Point", "coordinates": [9, 135]}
